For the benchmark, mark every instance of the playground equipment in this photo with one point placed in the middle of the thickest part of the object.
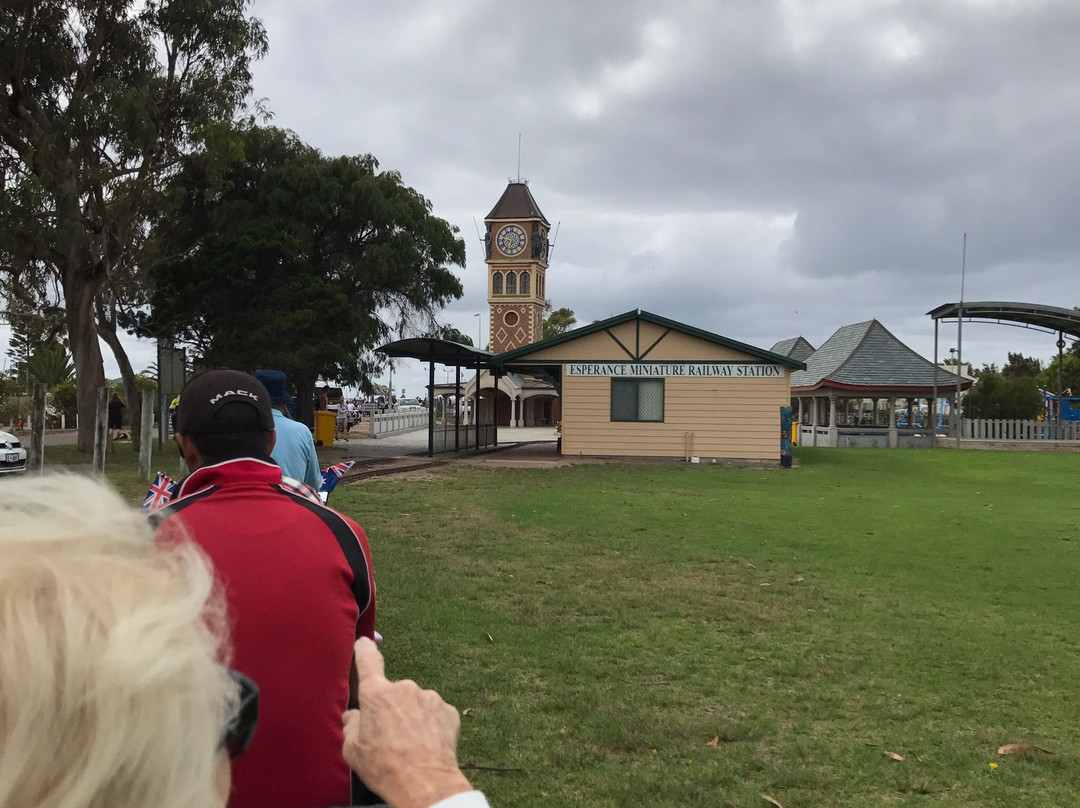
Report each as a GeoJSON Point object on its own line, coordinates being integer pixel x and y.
{"type": "Point", "coordinates": [1068, 405]}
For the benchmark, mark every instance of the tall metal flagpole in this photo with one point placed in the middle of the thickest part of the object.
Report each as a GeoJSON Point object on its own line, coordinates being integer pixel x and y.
{"type": "Point", "coordinates": [960, 341]}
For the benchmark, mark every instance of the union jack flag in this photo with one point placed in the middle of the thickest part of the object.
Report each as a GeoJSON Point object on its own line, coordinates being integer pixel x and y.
{"type": "Point", "coordinates": [331, 475]}
{"type": "Point", "coordinates": [160, 493]}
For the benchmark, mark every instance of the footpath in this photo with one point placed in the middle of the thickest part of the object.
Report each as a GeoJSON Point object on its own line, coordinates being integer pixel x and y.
{"type": "Point", "coordinates": [523, 447]}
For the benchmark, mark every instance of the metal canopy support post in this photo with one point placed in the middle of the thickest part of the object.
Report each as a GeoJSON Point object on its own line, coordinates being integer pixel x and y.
{"type": "Point", "coordinates": [476, 407]}
{"type": "Point", "coordinates": [495, 408]}
{"type": "Point", "coordinates": [457, 406]}
{"type": "Point", "coordinates": [933, 413]}
{"type": "Point", "coordinates": [431, 405]}
{"type": "Point", "coordinates": [1060, 391]}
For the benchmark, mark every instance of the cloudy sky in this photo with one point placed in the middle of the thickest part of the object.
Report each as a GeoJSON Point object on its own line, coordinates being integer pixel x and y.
{"type": "Point", "coordinates": [761, 169]}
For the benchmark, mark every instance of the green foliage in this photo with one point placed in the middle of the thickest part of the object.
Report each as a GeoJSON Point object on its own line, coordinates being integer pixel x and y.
{"type": "Point", "coordinates": [31, 330]}
{"type": "Point", "coordinates": [1070, 373]}
{"type": "Point", "coordinates": [14, 403]}
{"type": "Point", "coordinates": [50, 364]}
{"type": "Point", "coordinates": [295, 260]}
{"type": "Point", "coordinates": [1021, 367]}
{"type": "Point", "coordinates": [451, 334]}
{"type": "Point", "coordinates": [995, 395]}
{"type": "Point", "coordinates": [558, 321]}
{"type": "Point", "coordinates": [64, 399]}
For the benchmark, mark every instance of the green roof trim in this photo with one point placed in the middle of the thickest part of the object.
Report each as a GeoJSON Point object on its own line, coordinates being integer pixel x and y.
{"type": "Point", "coordinates": [511, 357]}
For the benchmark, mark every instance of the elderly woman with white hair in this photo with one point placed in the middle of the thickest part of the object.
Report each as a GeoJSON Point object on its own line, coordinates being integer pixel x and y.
{"type": "Point", "coordinates": [112, 687]}
{"type": "Point", "coordinates": [114, 690]}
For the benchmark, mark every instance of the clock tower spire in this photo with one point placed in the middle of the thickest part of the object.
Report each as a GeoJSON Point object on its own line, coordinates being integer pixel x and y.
{"type": "Point", "coordinates": [516, 254]}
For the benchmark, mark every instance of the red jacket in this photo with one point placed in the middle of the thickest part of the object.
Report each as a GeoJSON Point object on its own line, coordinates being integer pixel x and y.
{"type": "Point", "coordinates": [297, 576]}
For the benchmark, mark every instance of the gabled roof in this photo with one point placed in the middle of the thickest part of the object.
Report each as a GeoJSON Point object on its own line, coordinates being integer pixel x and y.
{"type": "Point", "coordinates": [510, 357]}
{"type": "Point", "coordinates": [796, 347]}
{"type": "Point", "coordinates": [517, 203]}
{"type": "Point", "coordinates": [866, 356]}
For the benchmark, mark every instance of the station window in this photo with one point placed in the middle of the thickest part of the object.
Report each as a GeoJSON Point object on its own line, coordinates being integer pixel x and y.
{"type": "Point", "coordinates": [637, 400]}
{"type": "Point", "coordinates": [524, 283]}
{"type": "Point", "coordinates": [496, 283]}
{"type": "Point", "coordinates": [511, 283]}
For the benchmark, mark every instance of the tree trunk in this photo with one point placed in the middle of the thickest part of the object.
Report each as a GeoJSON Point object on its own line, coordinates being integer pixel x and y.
{"type": "Point", "coordinates": [106, 329]}
{"type": "Point", "coordinates": [79, 294]}
{"type": "Point", "coordinates": [305, 395]}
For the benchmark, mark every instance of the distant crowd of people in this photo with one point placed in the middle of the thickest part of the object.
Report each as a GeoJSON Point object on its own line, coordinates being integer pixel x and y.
{"type": "Point", "coordinates": [149, 651]}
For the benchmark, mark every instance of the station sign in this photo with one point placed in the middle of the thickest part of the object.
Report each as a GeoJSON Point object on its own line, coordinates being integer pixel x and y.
{"type": "Point", "coordinates": [737, 370]}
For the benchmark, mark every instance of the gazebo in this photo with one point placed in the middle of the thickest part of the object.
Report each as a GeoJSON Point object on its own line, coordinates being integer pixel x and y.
{"type": "Point", "coordinates": [859, 362]}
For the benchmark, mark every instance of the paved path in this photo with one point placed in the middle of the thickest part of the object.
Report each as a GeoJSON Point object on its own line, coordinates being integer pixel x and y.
{"type": "Point", "coordinates": [521, 447]}
{"type": "Point", "coordinates": [415, 443]}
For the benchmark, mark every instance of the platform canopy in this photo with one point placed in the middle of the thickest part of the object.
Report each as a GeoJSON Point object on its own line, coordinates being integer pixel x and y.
{"type": "Point", "coordinates": [442, 351]}
{"type": "Point", "coordinates": [445, 352]}
{"type": "Point", "coordinates": [1025, 315]}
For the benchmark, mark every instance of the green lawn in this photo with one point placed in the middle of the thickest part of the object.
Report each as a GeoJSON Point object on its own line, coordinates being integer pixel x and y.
{"type": "Point", "coordinates": [600, 625]}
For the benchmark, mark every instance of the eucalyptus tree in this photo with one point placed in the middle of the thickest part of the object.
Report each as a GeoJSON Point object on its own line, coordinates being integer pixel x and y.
{"type": "Point", "coordinates": [300, 262]}
{"type": "Point", "coordinates": [100, 104]}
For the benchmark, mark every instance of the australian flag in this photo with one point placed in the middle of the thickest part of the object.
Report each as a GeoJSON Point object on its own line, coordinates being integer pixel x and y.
{"type": "Point", "coordinates": [331, 475]}
{"type": "Point", "coordinates": [160, 493]}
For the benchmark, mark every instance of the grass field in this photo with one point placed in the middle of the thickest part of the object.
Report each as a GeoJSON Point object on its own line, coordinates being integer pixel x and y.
{"type": "Point", "coordinates": [601, 625]}
{"type": "Point", "coordinates": [675, 635]}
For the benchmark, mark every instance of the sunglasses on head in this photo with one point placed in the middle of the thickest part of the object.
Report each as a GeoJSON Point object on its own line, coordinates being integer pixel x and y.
{"type": "Point", "coordinates": [238, 733]}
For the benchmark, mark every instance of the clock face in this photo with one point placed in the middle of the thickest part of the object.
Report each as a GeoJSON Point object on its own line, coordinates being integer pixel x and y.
{"type": "Point", "coordinates": [511, 240]}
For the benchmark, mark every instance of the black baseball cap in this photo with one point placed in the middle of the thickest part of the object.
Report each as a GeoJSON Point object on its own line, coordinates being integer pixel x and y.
{"type": "Point", "coordinates": [204, 399]}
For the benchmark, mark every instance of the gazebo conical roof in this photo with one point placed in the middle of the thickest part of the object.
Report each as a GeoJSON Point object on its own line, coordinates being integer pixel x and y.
{"type": "Point", "coordinates": [866, 358]}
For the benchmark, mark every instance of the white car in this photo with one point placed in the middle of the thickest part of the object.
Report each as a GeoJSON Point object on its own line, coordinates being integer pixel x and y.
{"type": "Point", "coordinates": [12, 454]}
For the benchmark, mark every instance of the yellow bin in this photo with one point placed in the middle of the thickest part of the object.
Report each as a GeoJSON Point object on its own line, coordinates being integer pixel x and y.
{"type": "Point", "coordinates": [324, 427]}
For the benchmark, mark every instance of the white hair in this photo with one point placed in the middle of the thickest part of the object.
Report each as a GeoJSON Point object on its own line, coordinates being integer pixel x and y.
{"type": "Point", "coordinates": [112, 691]}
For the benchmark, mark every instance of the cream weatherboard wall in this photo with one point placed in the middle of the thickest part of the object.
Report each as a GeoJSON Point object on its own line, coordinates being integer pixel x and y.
{"type": "Point", "coordinates": [704, 416]}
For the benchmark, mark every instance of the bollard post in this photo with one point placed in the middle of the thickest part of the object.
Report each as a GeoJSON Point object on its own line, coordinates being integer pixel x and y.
{"type": "Point", "coordinates": [146, 428]}
{"type": "Point", "coordinates": [100, 433]}
{"type": "Point", "coordinates": [36, 460]}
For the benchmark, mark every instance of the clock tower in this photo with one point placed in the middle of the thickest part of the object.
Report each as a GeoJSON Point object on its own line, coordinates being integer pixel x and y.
{"type": "Point", "coordinates": [516, 254]}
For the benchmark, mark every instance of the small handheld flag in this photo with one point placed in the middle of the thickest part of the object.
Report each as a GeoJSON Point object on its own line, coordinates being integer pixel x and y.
{"type": "Point", "coordinates": [331, 475]}
{"type": "Point", "coordinates": [160, 493]}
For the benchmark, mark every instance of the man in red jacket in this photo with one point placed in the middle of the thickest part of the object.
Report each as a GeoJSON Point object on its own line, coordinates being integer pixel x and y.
{"type": "Point", "coordinates": [297, 577]}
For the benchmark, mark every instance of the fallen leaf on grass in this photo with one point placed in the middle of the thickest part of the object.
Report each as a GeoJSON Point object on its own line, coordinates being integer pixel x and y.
{"type": "Point", "coordinates": [466, 711]}
{"type": "Point", "coordinates": [892, 755]}
{"type": "Point", "coordinates": [771, 801]}
{"type": "Point", "coordinates": [1016, 748]}
{"type": "Point", "coordinates": [489, 638]}
{"type": "Point", "coordinates": [715, 741]}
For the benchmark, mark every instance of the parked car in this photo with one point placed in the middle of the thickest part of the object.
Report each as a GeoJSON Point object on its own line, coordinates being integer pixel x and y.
{"type": "Point", "coordinates": [12, 454]}
{"type": "Point", "coordinates": [409, 404]}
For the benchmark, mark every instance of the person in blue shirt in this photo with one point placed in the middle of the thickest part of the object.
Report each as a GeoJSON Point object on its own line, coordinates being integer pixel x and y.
{"type": "Point", "coordinates": [294, 449]}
